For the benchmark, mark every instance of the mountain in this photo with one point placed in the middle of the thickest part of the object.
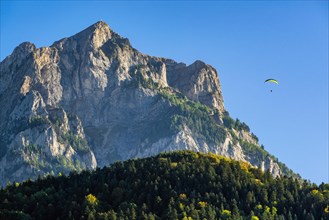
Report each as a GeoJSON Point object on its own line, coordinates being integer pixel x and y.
{"type": "Point", "coordinates": [177, 185]}
{"type": "Point", "coordinates": [92, 99]}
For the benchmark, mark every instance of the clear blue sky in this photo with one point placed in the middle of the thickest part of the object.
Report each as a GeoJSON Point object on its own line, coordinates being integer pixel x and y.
{"type": "Point", "coordinates": [246, 41]}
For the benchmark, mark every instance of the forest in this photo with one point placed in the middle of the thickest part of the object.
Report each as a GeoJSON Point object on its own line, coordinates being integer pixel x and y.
{"type": "Point", "coordinates": [175, 185]}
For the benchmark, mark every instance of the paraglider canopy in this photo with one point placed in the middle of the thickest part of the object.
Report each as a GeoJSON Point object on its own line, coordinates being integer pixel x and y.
{"type": "Point", "coordinates": [272, 80]}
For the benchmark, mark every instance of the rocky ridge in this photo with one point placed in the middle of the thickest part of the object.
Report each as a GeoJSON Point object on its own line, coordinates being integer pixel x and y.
{"type": "Point", "coordinates": [91, 99]}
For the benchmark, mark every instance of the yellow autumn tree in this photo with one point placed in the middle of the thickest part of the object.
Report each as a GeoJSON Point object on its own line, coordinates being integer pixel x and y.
{"type": "Point", "coordinates": [202, 204]}
{"type": "Point", "coordinates": [91, 199]}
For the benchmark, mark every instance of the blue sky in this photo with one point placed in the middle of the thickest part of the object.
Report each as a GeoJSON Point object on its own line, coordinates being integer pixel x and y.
{"type": "Point", "coordinates": [246, 41]}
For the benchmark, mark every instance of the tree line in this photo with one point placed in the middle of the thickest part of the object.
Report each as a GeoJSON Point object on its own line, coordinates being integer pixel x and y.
{"type": "Point", "coordinates": [176, 185]}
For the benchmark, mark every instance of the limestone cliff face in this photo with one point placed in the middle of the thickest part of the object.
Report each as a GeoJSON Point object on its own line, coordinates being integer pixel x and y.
{"type": "Point", "coordinates": [92, 98]}
{"type": "Point", "coordinates": [198, 81]}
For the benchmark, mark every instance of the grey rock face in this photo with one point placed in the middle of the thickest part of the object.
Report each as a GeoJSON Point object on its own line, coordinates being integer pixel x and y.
{"type": "Point", "coordinates": [92, 98]}
{"type": "Point", "coordinates": [198, 81]}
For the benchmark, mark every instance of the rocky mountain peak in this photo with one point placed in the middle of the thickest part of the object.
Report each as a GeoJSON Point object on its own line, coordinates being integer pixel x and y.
{"type": "Point", "coordinates": [24, 49]}
{"type": "Point", "coordinates": [99, 25]}
{"type": "Point", "coordinates": [19, 54]}
{"type": "Point", "coordinates": [93, 37]}
{"type": "Point", "coordinates": [91, 99]}
{"type": "Point", "coordinates": [199, 82]}
{"type": "Point", "coordinates": [97, 33]}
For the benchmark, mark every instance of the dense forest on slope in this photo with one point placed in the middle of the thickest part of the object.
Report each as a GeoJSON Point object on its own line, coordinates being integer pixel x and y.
{"type": "Point", "coordinates": [177, 185]}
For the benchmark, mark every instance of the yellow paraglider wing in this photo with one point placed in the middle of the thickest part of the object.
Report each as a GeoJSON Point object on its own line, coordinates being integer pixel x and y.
{"type": "Point", "coordinates": [272, 80]}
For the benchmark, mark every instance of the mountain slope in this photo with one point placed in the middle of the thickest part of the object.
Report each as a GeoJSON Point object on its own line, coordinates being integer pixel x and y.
{"type": "Point", "coordinates": [91, 99]}
{"type": "Point", "coordinates": [178, 185]}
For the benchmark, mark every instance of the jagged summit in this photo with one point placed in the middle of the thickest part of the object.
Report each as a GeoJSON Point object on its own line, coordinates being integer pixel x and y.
{"type": "Point", "coordinates": [97, 33]}
{"type": "Point", "coordinates": [24, 48]}
{"type": "Point", "coordinates": [20, 52]}
{"type": "Point", "coordinates": [94, 36]}
{"type": "Point", "coordinates": [99, 25]}
{"type": "Point", "coordinates": [91, 99]}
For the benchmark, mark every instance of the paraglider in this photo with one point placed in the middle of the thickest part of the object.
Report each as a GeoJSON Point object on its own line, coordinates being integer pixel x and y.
{"type": "Point", "coordinates": [271, 81]}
